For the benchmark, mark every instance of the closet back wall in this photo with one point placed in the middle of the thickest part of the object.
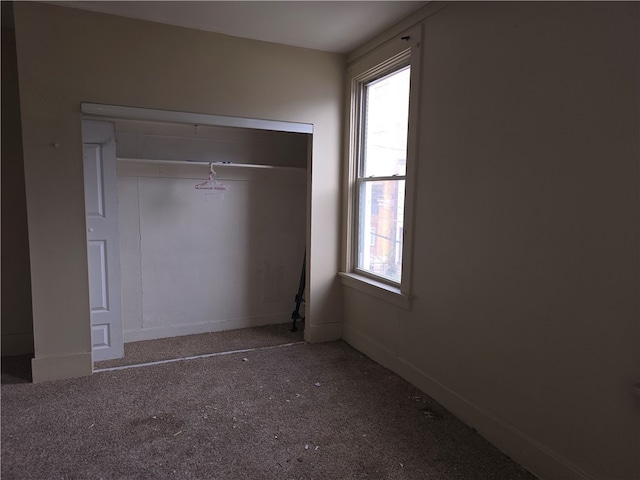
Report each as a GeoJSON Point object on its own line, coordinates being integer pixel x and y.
{"type": "Point", "coordinates": [194, 261]}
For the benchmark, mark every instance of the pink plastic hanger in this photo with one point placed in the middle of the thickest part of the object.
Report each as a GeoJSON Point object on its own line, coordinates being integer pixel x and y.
{"type": "Point", "coordinates": [211, 183]}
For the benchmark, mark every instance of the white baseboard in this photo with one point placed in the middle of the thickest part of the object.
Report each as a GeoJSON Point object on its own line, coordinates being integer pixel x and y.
{"type": "Point", "coordinates": [17, 344]}
{"type": "Point", "coordinates": [154, 333]}
{"type": "Point", "coordinates": [521, 448]}
{"type": "Point", "coordinates": [55, 368]}
{"type": "Point", "coordinates": [327, 332]}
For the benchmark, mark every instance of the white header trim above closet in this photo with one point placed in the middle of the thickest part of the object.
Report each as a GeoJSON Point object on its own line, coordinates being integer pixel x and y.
{"type": "Point", "coordinates": [136, 113]}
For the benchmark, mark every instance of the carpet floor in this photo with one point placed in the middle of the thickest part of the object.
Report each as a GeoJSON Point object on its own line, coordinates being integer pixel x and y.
{"type": "Point", "coordinates": [302, 411]}
{"type": "Point", "coordinates": [204, 343]}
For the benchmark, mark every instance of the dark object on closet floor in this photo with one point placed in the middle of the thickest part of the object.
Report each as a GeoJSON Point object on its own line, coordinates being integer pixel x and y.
{"type": "Point", "coordinates": [299, 296]}
{"type": "Point", "coordinates": [16, 369]}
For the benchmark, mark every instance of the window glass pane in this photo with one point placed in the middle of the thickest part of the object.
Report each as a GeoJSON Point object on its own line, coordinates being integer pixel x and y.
{"type": "Point", "coordinates": [380, 228]}
{"type": "Point", "coordinates": [385, 116]}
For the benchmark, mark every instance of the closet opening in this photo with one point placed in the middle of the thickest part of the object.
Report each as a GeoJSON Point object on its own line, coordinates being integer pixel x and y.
{"type": "Point", "coordinates": [211, 232]}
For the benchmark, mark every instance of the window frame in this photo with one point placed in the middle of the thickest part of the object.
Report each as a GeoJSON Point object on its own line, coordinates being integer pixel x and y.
{"type": "Point", "coordinates": [399, 53]}
{"type": "Point", "coordinates": [400, 63]}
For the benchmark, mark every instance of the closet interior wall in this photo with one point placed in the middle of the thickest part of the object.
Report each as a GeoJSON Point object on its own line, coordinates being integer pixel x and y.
{"type": "Point", "coordinates": [195, 261]}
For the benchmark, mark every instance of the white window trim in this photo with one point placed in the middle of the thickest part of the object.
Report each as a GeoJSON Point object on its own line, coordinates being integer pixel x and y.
{"type": "Point", "coordinates": [373, 287]}
{"type": "Point", "coordinates": [394, 53]}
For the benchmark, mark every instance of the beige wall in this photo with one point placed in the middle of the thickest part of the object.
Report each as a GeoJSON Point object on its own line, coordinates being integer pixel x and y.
{"type": "Point", "coordinates": [525, 319]}
{"type": "Point", "coordinates": [67, 56]}
{"type": "Point", "coordinates": [17, 329]}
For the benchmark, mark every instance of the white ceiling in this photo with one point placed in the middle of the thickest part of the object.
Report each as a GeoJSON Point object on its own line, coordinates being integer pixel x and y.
{"type": "Point", "coordinates": [333, 26]}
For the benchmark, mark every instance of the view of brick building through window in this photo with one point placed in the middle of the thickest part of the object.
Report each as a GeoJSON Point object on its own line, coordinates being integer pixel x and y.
{"type": "Point", "coordinates": [382, 174]}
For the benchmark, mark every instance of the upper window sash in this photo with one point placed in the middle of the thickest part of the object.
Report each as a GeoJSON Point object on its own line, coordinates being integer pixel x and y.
{"type": "Point", "coordinates": [397, 67]}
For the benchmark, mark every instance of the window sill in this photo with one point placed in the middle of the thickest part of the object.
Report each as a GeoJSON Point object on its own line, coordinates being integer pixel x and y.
{"type": "Point", "coordinates": [380, 290]}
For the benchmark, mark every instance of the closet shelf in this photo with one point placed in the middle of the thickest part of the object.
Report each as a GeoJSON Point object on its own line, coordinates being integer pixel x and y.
{"type": "Point", "coordinates": [147, 161]}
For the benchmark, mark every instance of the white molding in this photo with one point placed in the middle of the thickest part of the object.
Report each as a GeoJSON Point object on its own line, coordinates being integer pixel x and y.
{"type": "Point", "coordinates": [411, 174]}
{"type": "Point", "coordinates": [380, 290]}
{"type": "Point", "coordinates": [385, 59]}
{"type": "Point", "coordinates": [374, 350]}
{"type": "Point", "coordinates": [170, 116]}
{"type": "Point", "coordinates": [59, 367]}
{"type": "Point", "coordinates": [327, 332]}
{"type": "Point", "coordinates": [395, 31]}
{"type": "Point", "coordinates": [529, 453]}
{"type": "Point", "coordinates": [350, 171]}
{"type": "Point", "coordinates": [154, 333]}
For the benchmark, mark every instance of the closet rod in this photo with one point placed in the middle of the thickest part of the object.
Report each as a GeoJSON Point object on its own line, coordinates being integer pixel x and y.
{"type": "Point", "coordinates": [150, 161]}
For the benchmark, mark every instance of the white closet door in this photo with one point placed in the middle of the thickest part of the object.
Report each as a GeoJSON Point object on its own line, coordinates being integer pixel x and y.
{"type": "Point", "coordinates": [103, 250]}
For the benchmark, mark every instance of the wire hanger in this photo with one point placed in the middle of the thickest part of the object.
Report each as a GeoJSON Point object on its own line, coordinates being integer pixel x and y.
{"type": "Point", "coordinates": [211, 183]}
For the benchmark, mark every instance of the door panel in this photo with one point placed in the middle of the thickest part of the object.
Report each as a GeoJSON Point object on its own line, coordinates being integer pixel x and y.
{"type": "Point", "coordinates": [93, 179]}
{"type": "Point", "coordinates": [98, 293]}
{"type": "Point", "coordinates": [103, 250]}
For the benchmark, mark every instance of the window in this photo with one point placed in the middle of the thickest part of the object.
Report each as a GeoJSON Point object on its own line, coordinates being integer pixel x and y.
{"type": "Point", "coordinates": [381, 151]}
{"type": "Point", "coordinates": [381, 172]}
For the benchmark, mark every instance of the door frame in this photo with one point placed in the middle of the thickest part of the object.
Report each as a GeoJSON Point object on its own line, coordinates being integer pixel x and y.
{"type": "Point", "coordinates": [105, 112]}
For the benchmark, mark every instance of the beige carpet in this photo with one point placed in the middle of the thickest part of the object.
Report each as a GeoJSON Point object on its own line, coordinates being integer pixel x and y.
{"type": "Point", "coordinates": [306, 411]}
{"type": "Point", "coordinates": [205, 343]}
